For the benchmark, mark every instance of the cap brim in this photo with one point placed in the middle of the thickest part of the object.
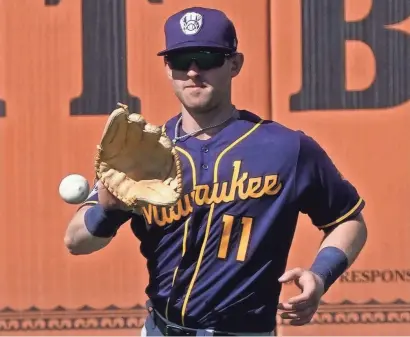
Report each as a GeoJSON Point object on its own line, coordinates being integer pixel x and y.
{"type": "Point", "coordinates": [195, 44]}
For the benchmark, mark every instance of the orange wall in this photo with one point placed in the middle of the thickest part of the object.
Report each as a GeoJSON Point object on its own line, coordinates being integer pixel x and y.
{"type": "Point", "coordinates": [41, 71]}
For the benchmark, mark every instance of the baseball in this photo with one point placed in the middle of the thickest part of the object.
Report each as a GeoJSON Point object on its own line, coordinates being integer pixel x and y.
{"type": "Point", "coordinates": [74, 189]}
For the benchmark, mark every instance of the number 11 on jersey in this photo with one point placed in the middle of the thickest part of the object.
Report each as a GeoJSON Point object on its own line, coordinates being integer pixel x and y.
{"type": "Point", "coordinates": [228, 222]}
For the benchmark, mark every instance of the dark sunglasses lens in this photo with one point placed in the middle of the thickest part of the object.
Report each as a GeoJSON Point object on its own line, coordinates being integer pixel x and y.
{"type": "Point", "coordinates": [179, 61]}
{"type": "Point", "coordinates": [204, 61]}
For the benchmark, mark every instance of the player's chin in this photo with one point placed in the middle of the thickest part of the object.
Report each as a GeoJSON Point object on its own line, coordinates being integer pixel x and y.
{"type": "Point", "coordinates": [198, 104]}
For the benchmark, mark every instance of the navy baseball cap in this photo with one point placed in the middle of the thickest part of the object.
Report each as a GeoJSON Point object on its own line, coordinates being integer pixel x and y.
{"type": "Point", "coordinates": [199, 27]}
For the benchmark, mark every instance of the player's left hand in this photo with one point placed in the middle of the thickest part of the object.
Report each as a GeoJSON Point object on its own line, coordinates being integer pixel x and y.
{"type": "Point", "coordinates": [301, 308]}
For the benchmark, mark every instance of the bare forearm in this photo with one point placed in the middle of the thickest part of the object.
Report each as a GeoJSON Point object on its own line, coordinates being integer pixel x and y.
{"type": "Point", "coordinates": [350, 237]}
{"type": "Point", "coordinates": [79, 240]}
{"type": "Point", "coordinates": [339, 249]}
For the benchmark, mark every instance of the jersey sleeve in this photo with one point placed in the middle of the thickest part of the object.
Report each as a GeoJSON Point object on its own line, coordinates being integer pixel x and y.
{"type": "Point", "coordinates": [324, 195]}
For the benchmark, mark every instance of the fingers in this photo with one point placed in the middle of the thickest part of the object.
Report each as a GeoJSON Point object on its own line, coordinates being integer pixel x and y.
{"type": "Point", "coordinates": [300, 321]}
{"type": "Point", "coordinates": [300, 308]}
{"type": "Point", "coordinates": [286, 306]}
{"type": "Point", "coordinates": [306, 295]}
{"type": "Point", "coordinates": [291, 275]}
{"type": "Point", "coordinates": [306, 282]}
{"type": "Point", "coordinates": [300, 302]}
{"type": "Point", "coordinates": [300, 315]}
{"type": "Point", "coordinates": [308, 287]}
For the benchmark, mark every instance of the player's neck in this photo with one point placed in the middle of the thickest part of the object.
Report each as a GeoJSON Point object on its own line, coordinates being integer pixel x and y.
{"type": "Point", "coordinates": [193, 121]}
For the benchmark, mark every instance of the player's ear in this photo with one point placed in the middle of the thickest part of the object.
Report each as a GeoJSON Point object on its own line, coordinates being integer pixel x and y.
{"type": "Point", "coordinates": [168, 70]}
{"type": "Point", "coordinates": [236, 64]}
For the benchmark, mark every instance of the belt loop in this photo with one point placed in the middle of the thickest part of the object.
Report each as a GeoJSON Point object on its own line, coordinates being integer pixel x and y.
{"type": "Point", "coordinates": [150, 308]}
{"type": "Point", "coordinates": [148, 305]}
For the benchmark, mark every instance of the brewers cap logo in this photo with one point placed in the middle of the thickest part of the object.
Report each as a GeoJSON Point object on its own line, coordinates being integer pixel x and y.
{"type": "Point", "coordinates": [191, 23]}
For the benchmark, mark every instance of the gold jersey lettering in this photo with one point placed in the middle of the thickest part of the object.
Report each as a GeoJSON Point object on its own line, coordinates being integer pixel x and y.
{"type": "Point", "coordinates": [237, 183]}
{"type": "Point", "coordinates": [255, 184]}
{"type": "Point", "coordinates": [201, 194]}
{"type": "Point", "coordinates": [240, 187]}
{"type": "Point", "coordinates": [162, 215]}
{"type": "Point", "coordinates": [218, 196]}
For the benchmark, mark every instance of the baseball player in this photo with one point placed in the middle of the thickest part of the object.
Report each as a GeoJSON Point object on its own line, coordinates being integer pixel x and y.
{"type": "Point", "coordinates": [217, 258]}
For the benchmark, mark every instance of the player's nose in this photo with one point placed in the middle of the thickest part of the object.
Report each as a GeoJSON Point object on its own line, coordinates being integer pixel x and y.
{"type": "Point", "coordinates": [193, 70]}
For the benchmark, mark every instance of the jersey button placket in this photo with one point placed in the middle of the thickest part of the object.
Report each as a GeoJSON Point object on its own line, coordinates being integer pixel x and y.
{"type": "Point", "coordinates": [204, 149]}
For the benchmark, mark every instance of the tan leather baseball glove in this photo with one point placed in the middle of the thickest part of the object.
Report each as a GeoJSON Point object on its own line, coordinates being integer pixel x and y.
{"type": "Point", "coordinates": [137, 162]}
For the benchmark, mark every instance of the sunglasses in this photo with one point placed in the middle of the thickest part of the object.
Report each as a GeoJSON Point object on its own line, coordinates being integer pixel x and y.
{"type": "Point", "coordinates": [205, 60]}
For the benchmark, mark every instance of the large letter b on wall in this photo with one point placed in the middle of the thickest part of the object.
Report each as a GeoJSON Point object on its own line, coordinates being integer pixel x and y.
{"type": "Point", "coordinates": [324, 33]}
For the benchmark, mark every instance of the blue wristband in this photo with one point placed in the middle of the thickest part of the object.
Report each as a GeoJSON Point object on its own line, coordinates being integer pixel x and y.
{"type": "Point", "coordinates": [104, 223]}
{"type": "Point", "coordinates": [330, 264]}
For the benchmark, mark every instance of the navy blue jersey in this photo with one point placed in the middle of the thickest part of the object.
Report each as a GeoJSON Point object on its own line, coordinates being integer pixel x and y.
{"type": "Point", "coordinates": [214, 259]}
